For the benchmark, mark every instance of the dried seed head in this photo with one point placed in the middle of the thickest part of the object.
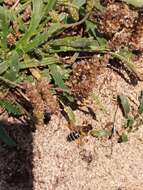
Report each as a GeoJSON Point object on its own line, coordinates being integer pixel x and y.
{"type": "Point", "coordinates": [74, 13]}
{"type": "Point", "coordinates": [11, 39]}
{"type": "Point", "coordinates": [117, 17]}
{"type": "Point", "coordinates": [120, 39]}
{"type": "Point", "coordinates": [106, 2]}
{"type": "Point", "coordinates": [37, 103]}
{"type": "Point", "coordinates": [14, 35]}
{"type": "Point", "coordinates": [137, 35]}
{"type": "Point", "coordinates": [84, 76]}
{"type": "Point", "coordinates": [15, 30]}
{"type": "Point", "coordinates": [10, 2]}
{"type": "Point", "coordinates": [89, 5]}
{"type": "Point", "coordinates": [54, 15]}
{"type": "Point", "coordinates": [50, 101]}
{"type": "Point", "coordinates": [27, 13]}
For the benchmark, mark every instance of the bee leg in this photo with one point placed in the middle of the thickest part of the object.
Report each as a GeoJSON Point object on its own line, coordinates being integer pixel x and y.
{"type": "Point", "coordinates": [80, 141]}
{"type": "Point", "coordinates": [71, 126]}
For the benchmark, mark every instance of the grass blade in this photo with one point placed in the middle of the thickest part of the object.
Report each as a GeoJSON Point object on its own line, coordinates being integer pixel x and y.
{"type": "Point", "coordinates": [43, 37]}
{"type": "Point", "coordinates": [11, 108]}
{"type": "Point", "coordinates": [57, 76]}
{"type": "Point", "coordinates": [74, 42]}
{"type": "Point", "coordinates": [50, 5]}
{"type": "Point", "coordinates": [37, 14]}
{"type": "Point", "coordinates": [126, 57]}
{"type": "Point", "coordinates": [29, 63]}
{"type": "Point", "coordinates": [140, 109]}
{"type": "Point", "coordinates": [3, 67]}
{"type": "Point", "coordinates": [101, 133]}
{"type": "Point", "coordinates": [123, 101]}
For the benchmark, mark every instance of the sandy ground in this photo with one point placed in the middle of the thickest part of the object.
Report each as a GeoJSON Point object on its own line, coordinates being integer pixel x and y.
{"type": "Point", "coordinates": [63, 166]}
{"type": "Point", "coordinates": [44, 160]}
{"type": "Point", "coordinates": [97, 164]}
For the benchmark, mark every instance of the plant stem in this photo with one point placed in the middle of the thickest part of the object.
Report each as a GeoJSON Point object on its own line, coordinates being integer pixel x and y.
{"type": "Point", "coordinates": [10, 83]}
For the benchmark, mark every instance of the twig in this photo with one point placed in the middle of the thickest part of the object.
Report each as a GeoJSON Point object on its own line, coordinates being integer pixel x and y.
{"type": "Point", "coordinates": [22, 94]}
{"type": "Point", "coordinates": [114, 119]}
{"type": "Point", "coordinates": [15, 4]}
{"type": "Point", "coordinates": [113, 129]}
{"type": "Point", "coordinates": [76, 23]}
{"type": "Point", "coordinates": [12, 84]}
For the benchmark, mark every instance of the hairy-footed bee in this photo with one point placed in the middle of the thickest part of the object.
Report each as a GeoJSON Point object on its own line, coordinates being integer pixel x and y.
{"type": "Point", "coordinates": [81, 131]}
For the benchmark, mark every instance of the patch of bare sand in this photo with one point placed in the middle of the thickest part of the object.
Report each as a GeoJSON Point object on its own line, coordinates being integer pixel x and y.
{"type": "Point", "coordinates": [60, 165]}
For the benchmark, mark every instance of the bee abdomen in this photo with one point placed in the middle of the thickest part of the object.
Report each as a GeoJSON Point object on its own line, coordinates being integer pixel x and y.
{"type": "Point", "coordinates": [73, 136]}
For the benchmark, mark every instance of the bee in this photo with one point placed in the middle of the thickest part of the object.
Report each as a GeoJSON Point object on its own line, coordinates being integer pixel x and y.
{"type": "Point", "coordinates": [81, 131]}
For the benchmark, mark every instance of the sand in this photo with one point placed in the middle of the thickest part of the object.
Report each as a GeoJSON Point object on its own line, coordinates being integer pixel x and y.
{"type": "Point", "coordinates": [95, 164]}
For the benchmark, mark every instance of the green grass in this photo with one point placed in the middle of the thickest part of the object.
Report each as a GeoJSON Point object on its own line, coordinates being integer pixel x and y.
{"type": "Point", "coordinates": [41, 39]}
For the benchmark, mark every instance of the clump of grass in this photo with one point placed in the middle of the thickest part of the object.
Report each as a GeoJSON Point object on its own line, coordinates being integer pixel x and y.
{"type": "Point", "coordinates": [33, 36]}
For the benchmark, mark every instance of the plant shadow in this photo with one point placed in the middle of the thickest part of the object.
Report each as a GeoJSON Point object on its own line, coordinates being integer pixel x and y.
{"type": "Point", "coordinates": [122, 70]}
{"type": "Point", "coordinates": [16, 162]}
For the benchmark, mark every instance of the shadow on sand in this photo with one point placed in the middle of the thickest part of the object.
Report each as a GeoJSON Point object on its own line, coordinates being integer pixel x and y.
{"type": "Point", "coordinates": [16, 162]}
